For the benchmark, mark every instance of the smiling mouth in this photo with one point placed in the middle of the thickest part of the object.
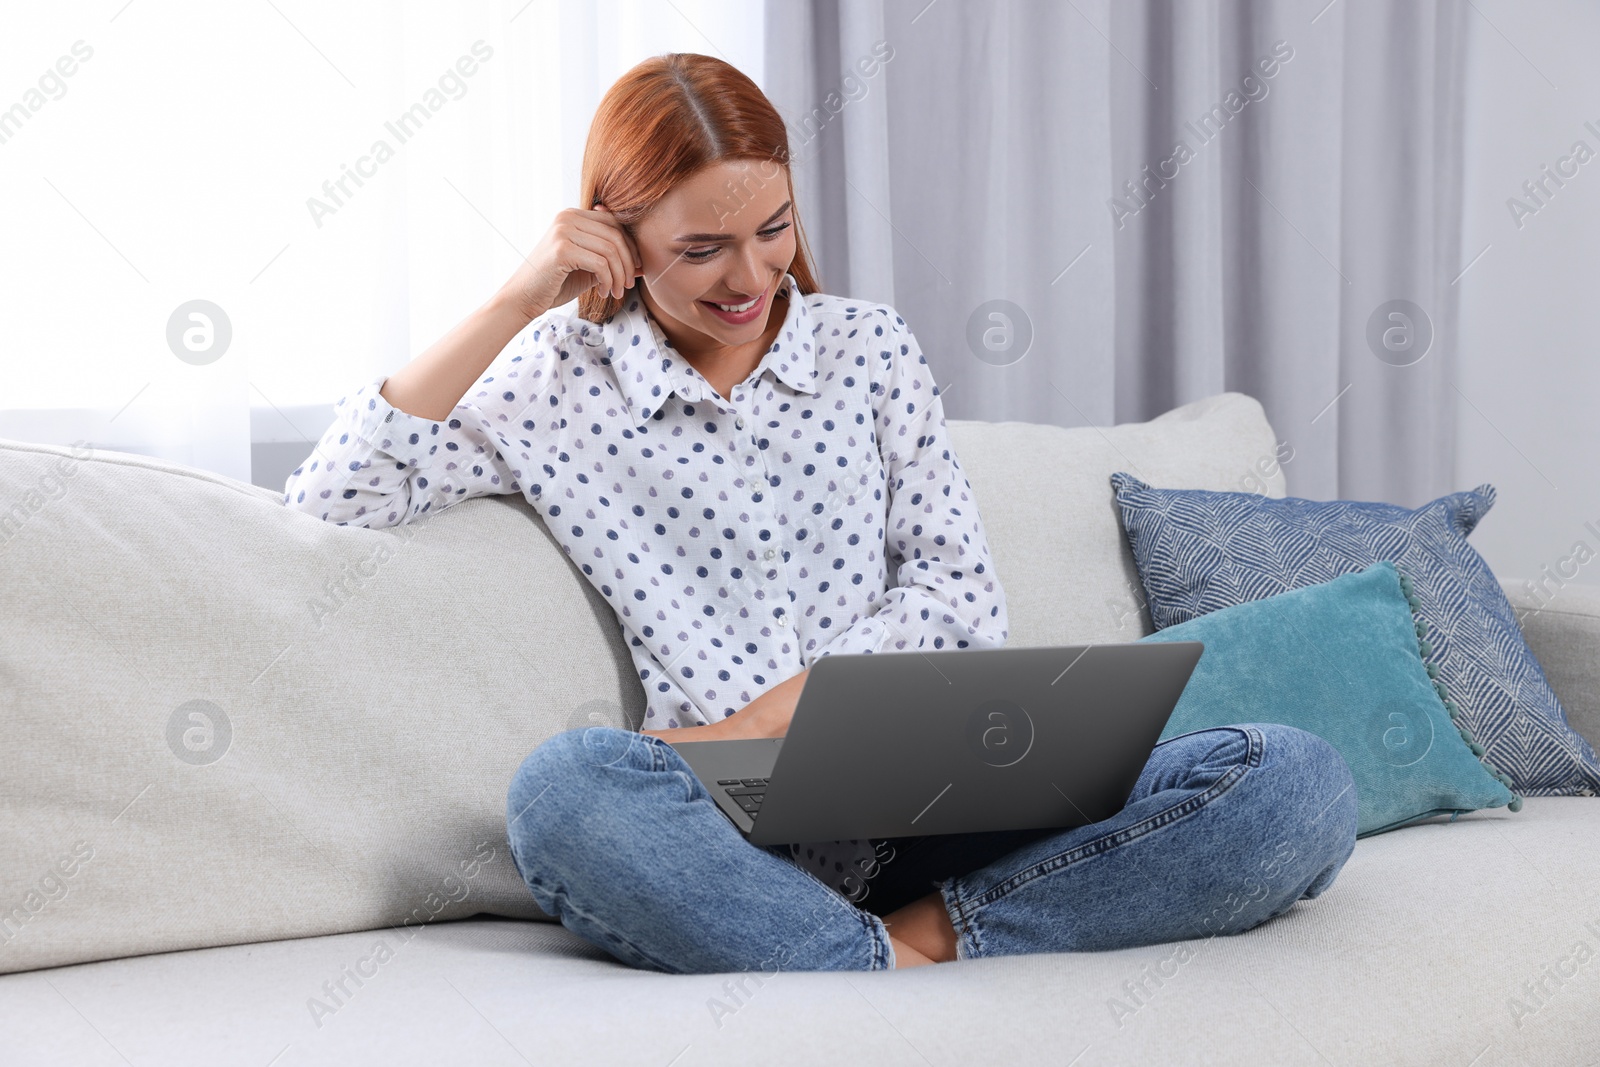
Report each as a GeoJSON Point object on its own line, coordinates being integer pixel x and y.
{"type": "Point", "coordinates": [741, 314]}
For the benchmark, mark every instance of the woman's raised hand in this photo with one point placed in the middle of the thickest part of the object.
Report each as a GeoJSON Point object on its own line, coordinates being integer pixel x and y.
{"type": "Point", "coordinates": [581, 250]}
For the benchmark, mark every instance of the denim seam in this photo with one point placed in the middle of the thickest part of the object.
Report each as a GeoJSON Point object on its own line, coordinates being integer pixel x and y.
{"type": "Point", "coordinates": [658, 756]}
{"type": "Point", "coordinates": [966, 933]}
{"type": "Point", "coordinates": [964, 910]}
{"type": "Point", "coordinates": [881, 948]}
{"type": "Point", "coordinates": [565, 903]}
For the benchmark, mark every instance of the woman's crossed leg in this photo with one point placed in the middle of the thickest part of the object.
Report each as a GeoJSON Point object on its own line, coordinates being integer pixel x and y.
{"type": "Point", "coordinates": [1225, 829]}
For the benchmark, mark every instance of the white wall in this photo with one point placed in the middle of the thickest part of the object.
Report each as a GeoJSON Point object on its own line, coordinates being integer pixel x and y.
{"type": "Point", "coordinates": [1528, 375]}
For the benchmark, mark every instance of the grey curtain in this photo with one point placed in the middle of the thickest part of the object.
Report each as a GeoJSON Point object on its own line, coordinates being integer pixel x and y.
{"type": "Point", "coordinates": [1009, 177]}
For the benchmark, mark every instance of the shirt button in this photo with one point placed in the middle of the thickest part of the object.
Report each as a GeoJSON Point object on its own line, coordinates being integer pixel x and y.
{"type": "Point", "coordinates": [768, 554]}
{"type": "Point", "coordinates": [738, 422]}
{"type": "Point", "coordinates": [783, 620]}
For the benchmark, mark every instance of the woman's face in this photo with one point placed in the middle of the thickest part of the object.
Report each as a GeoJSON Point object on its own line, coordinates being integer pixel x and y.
{"type": "Point", "coordinates": [722, 237]}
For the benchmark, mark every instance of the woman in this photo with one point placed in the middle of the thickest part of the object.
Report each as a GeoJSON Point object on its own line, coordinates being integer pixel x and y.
{"type": "Point", "coordinates": [735, 461]}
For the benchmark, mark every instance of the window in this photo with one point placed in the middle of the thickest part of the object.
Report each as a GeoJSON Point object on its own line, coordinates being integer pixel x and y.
{"type": "Point", "coordinates": [341, 183]}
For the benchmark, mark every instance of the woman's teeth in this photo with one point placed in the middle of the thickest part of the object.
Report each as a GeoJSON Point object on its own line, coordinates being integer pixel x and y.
{"type": "Point", "coordinates": [737, 308]}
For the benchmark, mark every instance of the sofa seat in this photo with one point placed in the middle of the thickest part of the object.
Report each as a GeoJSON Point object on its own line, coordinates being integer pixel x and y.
{"type": "Point", "coordinates": [1421, 954]}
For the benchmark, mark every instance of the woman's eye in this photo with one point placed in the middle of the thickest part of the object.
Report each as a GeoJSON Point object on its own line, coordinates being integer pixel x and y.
{"type": "Point", "coordinates": [769, 235]}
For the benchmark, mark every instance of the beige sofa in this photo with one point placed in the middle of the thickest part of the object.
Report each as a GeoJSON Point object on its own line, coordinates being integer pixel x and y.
{"type": "Point", "coordinates": [254, 766]}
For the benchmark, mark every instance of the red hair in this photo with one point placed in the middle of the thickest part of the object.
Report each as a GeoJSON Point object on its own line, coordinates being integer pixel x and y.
{"type": "Point", "coordinates": [665, 120]}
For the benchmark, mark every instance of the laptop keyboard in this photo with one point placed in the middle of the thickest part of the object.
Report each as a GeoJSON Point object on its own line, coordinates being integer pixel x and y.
{"type": "Point", "coordinates": [746, 792]}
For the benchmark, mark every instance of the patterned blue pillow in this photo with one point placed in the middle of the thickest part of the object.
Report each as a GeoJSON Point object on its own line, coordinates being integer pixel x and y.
{"type": "Point", "coordinates": [1197, 551]}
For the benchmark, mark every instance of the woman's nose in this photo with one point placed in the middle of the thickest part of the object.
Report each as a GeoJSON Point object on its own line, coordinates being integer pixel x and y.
{"type": "Point", "coordinates": [750, 278]}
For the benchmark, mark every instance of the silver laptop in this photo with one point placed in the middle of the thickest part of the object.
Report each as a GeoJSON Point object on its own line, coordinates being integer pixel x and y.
{"type": "Point", "coordinates": [905, 744]}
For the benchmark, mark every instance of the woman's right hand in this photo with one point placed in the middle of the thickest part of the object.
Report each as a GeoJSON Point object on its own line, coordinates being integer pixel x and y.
{"type": "Point", "coordinates": [768, 715]}
{"type": "Point", "coordinates": [581, 250]}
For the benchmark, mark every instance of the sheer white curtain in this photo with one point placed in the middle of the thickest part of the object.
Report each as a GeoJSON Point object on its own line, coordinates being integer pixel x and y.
{"type": "Point", "coordinates": [258, 157]}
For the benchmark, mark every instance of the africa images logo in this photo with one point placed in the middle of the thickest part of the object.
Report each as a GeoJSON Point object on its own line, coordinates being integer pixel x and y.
{"type": "Point", "coordinates": [1000, 732]}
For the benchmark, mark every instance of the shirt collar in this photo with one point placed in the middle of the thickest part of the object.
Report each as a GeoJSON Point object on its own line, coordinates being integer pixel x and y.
{"type": "Point", "coordinates": [649, 372]}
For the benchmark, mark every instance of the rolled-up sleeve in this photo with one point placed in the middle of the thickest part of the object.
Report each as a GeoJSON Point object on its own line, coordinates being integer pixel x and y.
{"type": "Point", "coordinates": [946, 594]}
{"type": "Point", "coordinates": [378, 466]}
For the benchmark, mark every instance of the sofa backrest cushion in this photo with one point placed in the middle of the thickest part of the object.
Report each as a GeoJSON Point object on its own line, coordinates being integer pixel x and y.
{"type": "Point", "coordinates": [1045, 498]}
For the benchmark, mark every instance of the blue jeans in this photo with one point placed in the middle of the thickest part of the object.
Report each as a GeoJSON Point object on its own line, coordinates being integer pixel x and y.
{"type": "Point", "coordinates": [1225, 829]}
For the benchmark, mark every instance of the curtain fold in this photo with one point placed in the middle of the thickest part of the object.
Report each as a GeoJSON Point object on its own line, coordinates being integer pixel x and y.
{"type": "Point", "coordinates": [1095, 212]}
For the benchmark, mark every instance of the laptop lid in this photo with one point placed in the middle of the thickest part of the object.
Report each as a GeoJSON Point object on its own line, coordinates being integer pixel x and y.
{"type": "Point", "coordinates": [905, 744]}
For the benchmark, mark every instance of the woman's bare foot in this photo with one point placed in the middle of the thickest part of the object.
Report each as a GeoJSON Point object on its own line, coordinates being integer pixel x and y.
{"type": "Point", "coordinates": [923, 927]}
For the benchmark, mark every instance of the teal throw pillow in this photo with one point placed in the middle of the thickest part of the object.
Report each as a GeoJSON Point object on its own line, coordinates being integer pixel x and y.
{"type": "Point", "coordinates": [1343, 660]}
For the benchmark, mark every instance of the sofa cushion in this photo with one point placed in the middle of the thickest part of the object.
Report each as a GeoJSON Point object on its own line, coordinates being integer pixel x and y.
{"type": "Point", "coordinates": [1342, 660]}
{"type": "Point", "coordinates": [1470, 944]}
{"type": "Point", "coordinates": [233, 722]}
{"type": "Point", "coordinates": [1198, 551]}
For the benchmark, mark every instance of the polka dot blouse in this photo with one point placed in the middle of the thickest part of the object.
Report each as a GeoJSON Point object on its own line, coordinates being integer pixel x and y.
{"type": "Point", "coordinates": [818, 509]}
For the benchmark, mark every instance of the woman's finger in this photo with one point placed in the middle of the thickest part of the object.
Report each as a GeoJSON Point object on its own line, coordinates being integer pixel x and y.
{"type": "Point", "coordinates": [608, 270]}
{"type": "Point", "coordinates": [629, 247]}
{"type": "Point", "coordinates": [614, 246]}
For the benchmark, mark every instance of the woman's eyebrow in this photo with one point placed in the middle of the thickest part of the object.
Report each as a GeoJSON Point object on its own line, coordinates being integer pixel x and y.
{"type": "Point", "coordinates": [729, 236]}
